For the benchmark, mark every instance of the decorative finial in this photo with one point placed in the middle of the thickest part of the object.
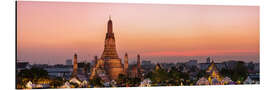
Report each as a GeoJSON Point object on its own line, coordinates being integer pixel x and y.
{"type": "Point", "coordinates": [110, 12]}
{"type": "Point", "coordinates": [75, 51]}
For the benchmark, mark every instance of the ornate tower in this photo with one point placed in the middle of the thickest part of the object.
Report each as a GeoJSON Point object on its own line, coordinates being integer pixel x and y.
{"type": "Point", "coordinates": [138, 65]}
{"type": "Point", "coordinates": [112, 63]}
{"type": "Point", "coordinates": [109, 47]}
{"type": "Point", "coordinates": [75, 66]}
{"type": "Point", "coordinates": [95, 59]}
{"type": "Point", "coordinates": [126, 63]}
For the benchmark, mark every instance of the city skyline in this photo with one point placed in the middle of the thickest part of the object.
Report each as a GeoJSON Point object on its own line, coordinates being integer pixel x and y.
{"type": "Point", "coordinates": [56, 30]}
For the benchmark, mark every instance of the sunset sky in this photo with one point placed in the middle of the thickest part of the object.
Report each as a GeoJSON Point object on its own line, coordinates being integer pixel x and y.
{"type": "Point", "coordinates": [54, 31]}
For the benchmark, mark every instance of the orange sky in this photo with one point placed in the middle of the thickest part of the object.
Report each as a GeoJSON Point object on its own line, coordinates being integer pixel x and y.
{"type": "Point", "coordinates": [55, 30]}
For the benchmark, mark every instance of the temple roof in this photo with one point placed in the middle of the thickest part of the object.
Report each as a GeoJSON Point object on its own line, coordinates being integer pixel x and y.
{"type": "Point", "coordinates": [212, 67]}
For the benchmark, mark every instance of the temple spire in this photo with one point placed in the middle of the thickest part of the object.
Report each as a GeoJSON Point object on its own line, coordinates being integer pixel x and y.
{"type": "Point", "coordinates": [139, 64]}
{"type": "Point", "coordinates": [75, 65]}
{"type": "Point", "coordinates": [109, 48]}
{"type": "Point", "coordinates": [126, 64]}
{"type": "Point", "coordinates": [112, 63]}
{"type": "Point", "coordinates": [110, 25]}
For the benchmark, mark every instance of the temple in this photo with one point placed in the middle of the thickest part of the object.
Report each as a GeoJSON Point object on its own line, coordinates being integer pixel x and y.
{"type": "Point", "coordinates": [109, 63]}
{"type": "Point", "coordinates": [75, 66]}
{"type": "Point", "coordinates": [109, 47]}
{"type": "Point", "coordinates": [213, 76]}
{"type": "Point", "coordinates": [126, 64]}
{"type": "Point", "coordinates": [109, 66]}
{"type": "Point", "coordinates": [213, 72]}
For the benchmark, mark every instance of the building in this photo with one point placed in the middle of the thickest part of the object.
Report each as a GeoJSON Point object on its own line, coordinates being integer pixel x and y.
{"type": "Point", "coordinates": [22, 65]}
{"type": "Point", "coordinates": [75, 68]}
{"type": "Point", "coordinates": [75, 65]}
{"type": "Point", "coordinates": [79, 75]}
{"type": "Point", "coordinates": [126, 64]}
{"type": "Point", "coordinates": [146, 63]}
{"type": "Point", "coordinates": [56, 71]}
{"type": "Point", "coordinates": [147, 66]}
{"type": "Point", "coordinates": [191, 63]}
{"type": "Point", "coordinates": [213, 73]}
{"type": "Point", "coordinates": [136, 70]}
{"type": "Point", "coordinates": [112, 63]}
{"type": "Point", "coordinates": [109, 60]}
{"type": "Point", "coordinates": [213, 77]}
{"type": "Point", "coordinates": [208, 60]}
{"type": "Point", "coordinates": [219, 66]}
{"type": "Point", "coordinates": [158, 67]}
{"type": "Point", "coordinates": [69, 62]}
{"type": "Point", "coordinates": [139, 62]}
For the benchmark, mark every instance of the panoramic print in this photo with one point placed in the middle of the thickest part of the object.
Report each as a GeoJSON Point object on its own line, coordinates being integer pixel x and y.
{"type": "Point", "coordinates": [104, 45]}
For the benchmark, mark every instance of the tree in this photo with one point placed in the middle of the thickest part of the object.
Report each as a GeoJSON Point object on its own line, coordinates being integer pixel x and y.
{"type": "Point", "coordinates": [159, 76]}
{"type": "Point", "coordinates": [34, 75]}
{"type": "Point", "coordinates": [56, 82]}
{"type": "Point", "coordinates": [96, 82]}
{"type": "Point", "coordinates": [122, 79]}
{"type": "Point", "coordinates": [226, 72]}
{"type": "Point", "coordinates": [240, 72]}
{"type": "Point", "coordinates": [201, 73]}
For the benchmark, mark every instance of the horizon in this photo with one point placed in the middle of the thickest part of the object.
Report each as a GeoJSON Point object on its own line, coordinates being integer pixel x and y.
{"type": "Point", "coordinates": [168, 59]}
{"type": "Point", "coordinates": [56, 30]}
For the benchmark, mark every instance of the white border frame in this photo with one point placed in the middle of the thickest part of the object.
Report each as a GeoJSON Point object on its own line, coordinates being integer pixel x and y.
{"type": "Point", "coordinates": [7, 37]}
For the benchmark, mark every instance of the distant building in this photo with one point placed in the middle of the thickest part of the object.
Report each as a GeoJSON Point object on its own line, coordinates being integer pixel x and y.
{"type": "Point", "coordinates": [257, 67]}
{"type": "Point", "coordinates": [126, 64]}
{"type": "Point", "coordinates": [213, 72]}
{"type": "Point", "coordinates": [81, 65]}
{"type": "Point", "coordinates": [139, 62]}
{"type": "Point", "coordinates": [213, 77]}
{"type": "Point", "coordinates": [157, 67]}
{"type": "Point", "coordinates": [208, 60]}
{"type": "Point", "coordinates": [136, 70]}
{"type": "Point", "coordinates": [22, 65]}
{"type": "Point", "coordinates": [56, 71]}
{"type": "Point", "coordinates": [75, 66]}
{"type": "Point", "coordinates": [146, 62]}
{"type": "Point", "coordinates": [204, 66]}
{"type": "Point", "coordinates": [191, 63]}
{"type": "Point", "coordinates": [230, 64]}
{"type": "Point", "coordinates": [79, 74]}
{"type": "Point", "coordinates": [69, 62]}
